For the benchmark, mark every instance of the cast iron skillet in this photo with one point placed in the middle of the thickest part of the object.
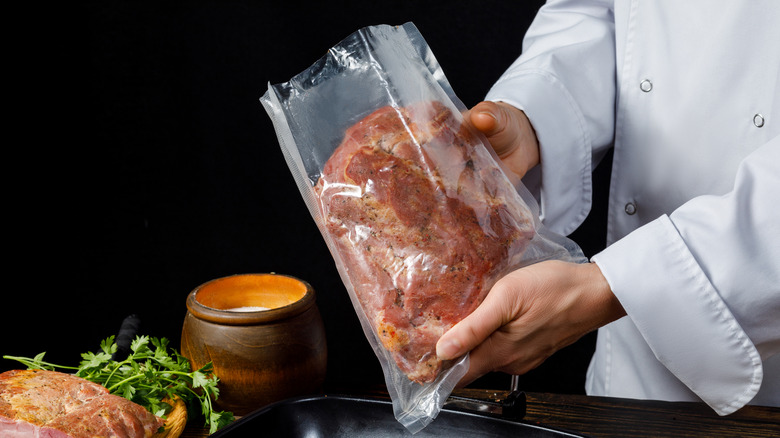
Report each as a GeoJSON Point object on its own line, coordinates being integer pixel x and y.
{"type": "Point", "coordinates": [346, 416]}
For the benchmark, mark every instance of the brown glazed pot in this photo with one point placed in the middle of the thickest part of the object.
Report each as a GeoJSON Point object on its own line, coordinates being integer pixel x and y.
{"type": "Point", "coordinates": [259, 356]}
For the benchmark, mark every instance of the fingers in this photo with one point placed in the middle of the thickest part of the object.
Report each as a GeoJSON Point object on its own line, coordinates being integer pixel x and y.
{"type": "Point", "coordinates": [494, 312]}
{"type": "Point", "coordinates": [507, 351]}
{"type": "Point", "coordinates": [483, 361]}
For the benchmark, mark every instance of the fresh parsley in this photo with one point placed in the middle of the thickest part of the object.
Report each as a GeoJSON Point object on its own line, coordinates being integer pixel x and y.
{"type": "Point", "coordinates": [151, 373]}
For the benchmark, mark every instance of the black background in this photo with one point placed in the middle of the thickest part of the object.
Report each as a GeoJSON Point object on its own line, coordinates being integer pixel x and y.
{"type": "Point", "coordinates": [140, 164]}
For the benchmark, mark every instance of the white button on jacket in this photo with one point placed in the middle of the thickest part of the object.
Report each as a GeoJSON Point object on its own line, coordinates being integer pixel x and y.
{"type": "Point", "coordinates": [691, 104]}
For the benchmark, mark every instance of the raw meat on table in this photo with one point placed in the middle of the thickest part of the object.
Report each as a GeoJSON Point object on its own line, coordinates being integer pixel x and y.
{"type": "Point", "coordinates": [38, 403]}
{"type": "Point", "coordinates": [425, 222]}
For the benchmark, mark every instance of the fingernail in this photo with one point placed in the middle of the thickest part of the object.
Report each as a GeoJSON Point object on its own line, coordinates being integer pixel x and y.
{"type": "Point", "coordinates": [448, 349]}
{"type": "Point", "coordinates": [488, 113]}
{"type": "Point", "coordinates": [493, 117]}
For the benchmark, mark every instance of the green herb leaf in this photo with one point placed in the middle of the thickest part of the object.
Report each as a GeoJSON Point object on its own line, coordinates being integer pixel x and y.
{"type": "Point", "coordinates": [218, 420]}
{"type": "Point", "coordinates": [140, 344]}
{"type": "Point", "coordinates": [108, 346]}
{"type": "Point", "coordinates": [128, 391]}
{"type": "Point", "coordinates": [38, 360]}
{"type": "Point", "coordinates": [92, 360]}
{"type": "Point", "coordinates": [199, 380]}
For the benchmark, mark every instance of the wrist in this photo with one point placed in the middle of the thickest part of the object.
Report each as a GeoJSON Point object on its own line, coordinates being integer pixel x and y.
{"type": "Point", "coordinates": [598, 287]}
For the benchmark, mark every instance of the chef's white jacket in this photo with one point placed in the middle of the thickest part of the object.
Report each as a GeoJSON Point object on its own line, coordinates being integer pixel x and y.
{"type": "Point", "coordinates": [688, 93]}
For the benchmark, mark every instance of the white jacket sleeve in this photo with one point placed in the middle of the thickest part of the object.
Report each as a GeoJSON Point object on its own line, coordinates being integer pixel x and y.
{"type": "Point", "coordinates": [707, 329]}
{"type": "Point", "coordinates": [572, 43]}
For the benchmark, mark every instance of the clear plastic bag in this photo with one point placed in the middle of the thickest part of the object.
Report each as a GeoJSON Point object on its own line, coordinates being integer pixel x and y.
{"type": "Point", "coordinates": [415, 208]}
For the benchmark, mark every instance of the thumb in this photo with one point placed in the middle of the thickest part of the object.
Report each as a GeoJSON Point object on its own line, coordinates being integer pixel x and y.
{"type": "Point", "coordinates": [496, 121]}
{"type": "Point", "coordinates": [474, 329]}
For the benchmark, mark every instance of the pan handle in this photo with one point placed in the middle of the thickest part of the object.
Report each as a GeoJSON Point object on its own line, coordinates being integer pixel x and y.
{"type": "Point", "coordinates": [511, 408]}
{"type": "Point", "coordinates": [127, 332]}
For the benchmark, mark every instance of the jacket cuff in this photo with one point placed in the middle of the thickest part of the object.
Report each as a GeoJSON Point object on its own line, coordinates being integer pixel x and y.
{"type": "Point", "coordinates": [564, 202]}
{"type": "Point", "coordinates": [681, 316]}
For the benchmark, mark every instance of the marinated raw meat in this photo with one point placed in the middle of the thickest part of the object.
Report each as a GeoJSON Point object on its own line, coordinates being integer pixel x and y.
{"type": "Point", "coordinates": [425, 222]}
{"type": "Point", "coordinates": [38, 403]}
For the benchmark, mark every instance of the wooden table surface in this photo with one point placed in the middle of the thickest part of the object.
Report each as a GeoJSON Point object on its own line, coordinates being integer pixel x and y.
{"type": "Point", "coordinates": [624, 418]}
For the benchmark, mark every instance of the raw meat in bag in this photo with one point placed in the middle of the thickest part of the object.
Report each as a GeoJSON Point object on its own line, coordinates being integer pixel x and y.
{"type": "Point", "coordinates": [407, 198]}
{"type": "Point", "coordinates": [416, 210]}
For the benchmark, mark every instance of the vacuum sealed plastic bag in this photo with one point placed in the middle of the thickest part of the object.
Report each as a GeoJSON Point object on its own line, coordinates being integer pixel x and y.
{"type": "Point", "coordinates": [415, 208]}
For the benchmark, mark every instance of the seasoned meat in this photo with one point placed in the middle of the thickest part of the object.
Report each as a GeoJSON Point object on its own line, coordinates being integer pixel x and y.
{"type": "Point", "coordinates": [425, 222]}
{"type": "Point", "coordinates": [37, 403]}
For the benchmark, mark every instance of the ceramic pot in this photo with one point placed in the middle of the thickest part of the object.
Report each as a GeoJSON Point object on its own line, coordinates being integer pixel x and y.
{"type": "Point", "coordinates": [264, 335]}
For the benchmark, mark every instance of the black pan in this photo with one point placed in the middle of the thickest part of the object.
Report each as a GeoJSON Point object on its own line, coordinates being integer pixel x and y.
{"type": "Point", "coordinates": [345, 416]}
